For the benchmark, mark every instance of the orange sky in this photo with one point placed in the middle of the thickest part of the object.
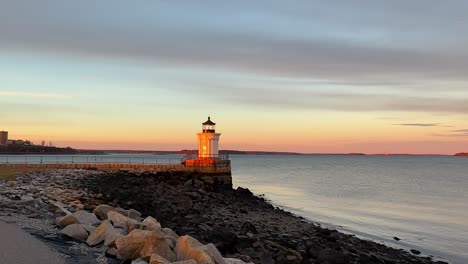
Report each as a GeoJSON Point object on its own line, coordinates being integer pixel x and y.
{"type": "Point", "coordinates": [275, 77]}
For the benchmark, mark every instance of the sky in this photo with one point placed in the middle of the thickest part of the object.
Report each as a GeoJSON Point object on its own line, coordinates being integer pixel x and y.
{"type": "Point", "coordinates": [368, 76]}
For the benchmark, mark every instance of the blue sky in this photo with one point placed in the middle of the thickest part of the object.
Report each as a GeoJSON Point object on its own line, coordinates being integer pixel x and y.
{"type": "Point", "coordinates": [311, 76]}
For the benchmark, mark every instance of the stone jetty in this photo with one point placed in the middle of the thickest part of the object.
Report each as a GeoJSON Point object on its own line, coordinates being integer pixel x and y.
{"type": "Point", "coordinates": [92, 216]}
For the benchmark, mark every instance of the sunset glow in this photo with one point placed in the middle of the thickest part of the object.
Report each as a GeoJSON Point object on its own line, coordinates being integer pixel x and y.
{"type": "Point", "coordinates": [282, 78]}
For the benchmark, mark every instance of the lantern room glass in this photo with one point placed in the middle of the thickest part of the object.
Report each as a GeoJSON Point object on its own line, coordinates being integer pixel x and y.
{"type": "Point", "coordinates": [209, 128]}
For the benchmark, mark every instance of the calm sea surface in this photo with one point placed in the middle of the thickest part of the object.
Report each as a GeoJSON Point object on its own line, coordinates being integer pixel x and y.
{"type": "Point", "coordinates": [423, 200]}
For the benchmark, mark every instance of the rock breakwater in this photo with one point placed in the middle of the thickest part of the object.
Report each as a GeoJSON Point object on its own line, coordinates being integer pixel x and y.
{"type": "Point", "coordinates": [204, 221]}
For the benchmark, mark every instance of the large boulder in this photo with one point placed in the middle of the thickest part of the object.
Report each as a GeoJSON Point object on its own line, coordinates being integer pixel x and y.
{"type": "Point", "coordinates": [171, 236]}
{"type": "Point", "coordinates": [169, 232]}
{"type": "Point", "coordinates": [151, 223]}
{"type": "Point", "coordinates": [75, 231]}
{"type": "Point", "coordinates": [142, 244]}
{"type": "Point", "coordinates": [190, 261]}
{"type": "Point", "coordinates": [102, 211]}
{"type": "Point", "coordinates": [233, 261]}
{"type": "Point", "coordinates": [134, 214]}
{"type": "Point", "coordinates": [101, 233]}
{"type": "Point", "coordinates": [160, 246]}
{"type": "Point", "coordinates": [139, 261]}
{"type": "Point", "coordinates": [67, 220]}
{"type": "Point", "coordinates": [122, 221]}
{"type": "Point", "coordinates": [55, 206]}
{"type": "Point", "coordinates": [130, 246]}
{"type": "Point", "coordinates": [111, 237]}
{"type": "Point", "coordinates": [188, 248]}
{"type": "Point", "coordinates": [86, 218]}
{"type": "Point", "coordinates": [156, 259]}
{"type": "Point", "coordinates": [213, 252]}
{"type": "Point", "coordinates": [89, 228]}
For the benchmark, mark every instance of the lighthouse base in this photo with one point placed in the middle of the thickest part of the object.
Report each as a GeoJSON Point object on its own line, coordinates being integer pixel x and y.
{"type": "Point", "coordinates": [215, 163]}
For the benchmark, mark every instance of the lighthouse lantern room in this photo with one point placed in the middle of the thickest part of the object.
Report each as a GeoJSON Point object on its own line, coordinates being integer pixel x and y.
{"type": "Point", "coordinates": [208, 141]}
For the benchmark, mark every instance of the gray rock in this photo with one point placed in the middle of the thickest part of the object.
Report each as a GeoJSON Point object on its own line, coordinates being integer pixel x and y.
{"type": "Point", "coordinates": [142, 244]}
{"type": "Point", "coordinates": [122, 221]}
{"type": "Point", "coordinates": [188, 183]}
{"type": "Point", "coordinates": [101, 211]}
{"type": "Point", "coordinates": [86, 218]}
{"type": "Point", "coordinates": [99, 234]}
{"type": "Point", "coordinates": [213, 252]}
{"type": "Point", "coordinates": [67, 220]}
{"type": "Point", "coordinates": [157, 259]}
{"type": "Point", "coordinates": [89, 228]}
{"type": "Point", "coordinates": [139, 261]}
{"type": "Point", "coordinates": [198, 183]}
{"type": "Point", "coordinates": [75, 231]}
{"type": "Point", "coordinates": [170, 232]}
{"type": "Point", "coordinates": [233, 261]}
{"type": "Point", "coordinates": [332, 256]}
{"type": "Point", "coordinates": [171, 236]}
{"type": "Point", "coordinates": [112, 253]}
{"type": "Point", "coordinates": [190, 261]}
{"type": "Point", "coordinates": [188, 248]}
{"type": "Point", "coordinates": [151, 223]}
{"type": "Point", "coordinates": [134, 214]}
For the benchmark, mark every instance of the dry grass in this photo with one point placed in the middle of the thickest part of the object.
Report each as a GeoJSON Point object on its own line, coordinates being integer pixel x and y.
{"type": "Point", "coordinates": [8, 174]}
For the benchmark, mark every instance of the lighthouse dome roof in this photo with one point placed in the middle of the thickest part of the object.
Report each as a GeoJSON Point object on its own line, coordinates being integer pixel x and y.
{"type": "Point", "coordinates": [209, 122]}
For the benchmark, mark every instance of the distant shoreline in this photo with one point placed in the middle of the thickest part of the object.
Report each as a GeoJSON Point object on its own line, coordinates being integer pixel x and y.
{"type": "Point", "coordinates": [254, 152]}
{"type": "Point", "coordinates": [229, 152]}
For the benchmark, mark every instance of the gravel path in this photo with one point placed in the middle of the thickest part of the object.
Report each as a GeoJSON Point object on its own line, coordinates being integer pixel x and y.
{"type": "Point", "coordinates": [17, 246]}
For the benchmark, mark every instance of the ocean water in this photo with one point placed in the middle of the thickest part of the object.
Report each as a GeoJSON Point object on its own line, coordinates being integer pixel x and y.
{"type": "Point", "coordinates": [423, 200]}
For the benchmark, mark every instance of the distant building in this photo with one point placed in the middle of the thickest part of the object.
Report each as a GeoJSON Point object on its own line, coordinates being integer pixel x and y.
{"type": "Point", "coordinates": [3, 138]}
{"type": "Point", "coordinates": [17, 142]}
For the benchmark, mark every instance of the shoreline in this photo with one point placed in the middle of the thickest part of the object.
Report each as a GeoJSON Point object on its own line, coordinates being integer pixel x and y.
{"type": "Point", "coordinates": [386, 241]}
{"type": "Point", "coordinates": [239, 223]}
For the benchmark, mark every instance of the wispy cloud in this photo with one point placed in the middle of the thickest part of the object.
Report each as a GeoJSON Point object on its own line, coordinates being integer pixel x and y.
{"type": "Point", "coordinates": [313, 98]}
{"type": "Point", "coordinates": [449, 135]}
{"type": "Point", "coordinates": [31, 94]}
{"type": "Point", "coordinates": [454, 133]}
{"type": "Point", "coordinates": [418, 124]}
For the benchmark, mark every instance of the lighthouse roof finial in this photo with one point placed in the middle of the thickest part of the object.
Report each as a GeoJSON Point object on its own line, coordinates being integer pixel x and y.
{"type": "Point", "coordinates": [209, 122]}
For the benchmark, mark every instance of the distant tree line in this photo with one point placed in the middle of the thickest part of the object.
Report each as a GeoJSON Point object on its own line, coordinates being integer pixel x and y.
{"type": "Point", "coordinates": [31, 148]}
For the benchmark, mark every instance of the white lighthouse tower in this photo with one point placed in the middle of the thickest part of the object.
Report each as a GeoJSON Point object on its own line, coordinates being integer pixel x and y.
{"type": "Point", "coordinates": [208, 141]}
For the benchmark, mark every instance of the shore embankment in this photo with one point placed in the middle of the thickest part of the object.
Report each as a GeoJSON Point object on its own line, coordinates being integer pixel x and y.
{"type": "Point", "coordinates": [240, 224]}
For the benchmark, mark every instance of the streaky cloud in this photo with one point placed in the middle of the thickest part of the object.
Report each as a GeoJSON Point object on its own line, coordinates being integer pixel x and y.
{"type": "Point", "coordinates": [418, 124]}
{"type": "Point", "coordinates": [149, 38]}
{"type": "Point", "coordinates": [313, 99]}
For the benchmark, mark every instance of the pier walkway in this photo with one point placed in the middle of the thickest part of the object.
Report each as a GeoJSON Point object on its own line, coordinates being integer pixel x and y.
{"type": "Point", "coordinates": [212, 170]}
{"type": "Point", "coordinates": [219, 164]}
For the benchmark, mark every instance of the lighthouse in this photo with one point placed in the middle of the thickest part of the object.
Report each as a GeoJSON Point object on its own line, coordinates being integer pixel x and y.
{"type": "Point", "coordinates": [208, 157]}
{"type": "Point", "coordinates": [208, 141]}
